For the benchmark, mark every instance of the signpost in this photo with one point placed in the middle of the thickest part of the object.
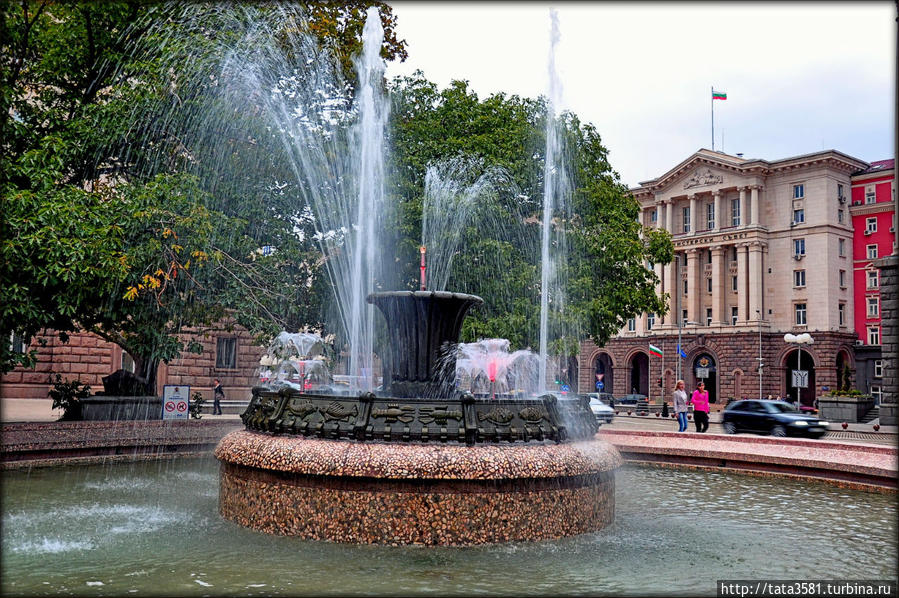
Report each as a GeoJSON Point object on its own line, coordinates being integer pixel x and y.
{"type": "Point", "coordinates": [800, 378]}
{"type": "Point", "coordinates": [175, 402]}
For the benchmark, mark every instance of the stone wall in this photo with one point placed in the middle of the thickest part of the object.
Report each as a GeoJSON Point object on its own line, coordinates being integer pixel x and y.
{"type": "Point", "coordinates": [889, 337]}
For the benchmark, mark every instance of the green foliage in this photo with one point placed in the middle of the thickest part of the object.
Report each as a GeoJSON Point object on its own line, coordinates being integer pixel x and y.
{"type": "Point", "coordinates": [853, 392]}
{"type": "Point", "coordinates": [66, 395]}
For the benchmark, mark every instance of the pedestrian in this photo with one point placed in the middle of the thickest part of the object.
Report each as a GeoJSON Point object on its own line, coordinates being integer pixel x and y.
{"type": "Point", "coordinates": [700, 402]}
{"type": "Point", "coordinates": [217, 395]}
{"type": "Point", "coordinates": [680, 405]}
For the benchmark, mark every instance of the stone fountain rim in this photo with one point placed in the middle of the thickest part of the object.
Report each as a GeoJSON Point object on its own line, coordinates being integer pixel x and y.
{"type": "Point", "coordinates": [341, 458]}
{"type": "Point", "coordinates": [426, 295]}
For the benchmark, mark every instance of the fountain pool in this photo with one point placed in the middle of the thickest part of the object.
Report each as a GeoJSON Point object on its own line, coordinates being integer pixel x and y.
{"type": "Point", "coordinates": [153, 528]}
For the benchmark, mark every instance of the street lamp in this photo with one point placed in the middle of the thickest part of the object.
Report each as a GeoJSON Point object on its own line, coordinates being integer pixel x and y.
{"type": "Point", "coordinates": [802, 339]}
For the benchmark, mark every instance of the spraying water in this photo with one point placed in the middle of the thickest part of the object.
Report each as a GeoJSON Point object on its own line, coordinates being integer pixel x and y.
{"type": "Point", "coordinates": [555, 190]}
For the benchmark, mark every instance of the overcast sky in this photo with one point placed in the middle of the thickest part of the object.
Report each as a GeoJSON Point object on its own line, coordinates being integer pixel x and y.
{"type": "Point", "coordinates": [799, 77]}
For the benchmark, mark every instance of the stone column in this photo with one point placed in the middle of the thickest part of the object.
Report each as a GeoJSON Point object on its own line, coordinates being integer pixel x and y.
{"type": "Point", "coordinates": [743, 314]}
{"type": "Point", "coordinates": [669, 217]}
{"type": "Point", "coordinates": [755, 281]}
{"type": "Point", "coordinates": [717, 197]}
{"type": "Point", "coordinates": [743, 214]}
{"type": "Point", "coordinates": [660, 215]}
{"type": "Point", "coordinates": [694, 280]}
{"type": "Point", "coordinates": [693, 220]}
{"type": "Point", "coordinates": [673, 286]}
{"type": "Point", "coordinates": [889, 337]}
{"type": "Point", "coordinates": [754, 207]}
{"type": "Point", "coordinates": [719, 289]}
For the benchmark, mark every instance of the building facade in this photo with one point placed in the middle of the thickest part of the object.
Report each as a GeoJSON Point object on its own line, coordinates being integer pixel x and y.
{"type": "Point", "coordinates": [763, 248]}
{"type": "Point", "coordinates": [872, 210]}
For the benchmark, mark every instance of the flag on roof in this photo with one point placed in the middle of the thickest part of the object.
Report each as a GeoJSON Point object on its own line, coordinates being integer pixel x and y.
{"type": "Point", "coordinates": [718, 95]}
{"type": "Point", "coordinates": [653, 350]}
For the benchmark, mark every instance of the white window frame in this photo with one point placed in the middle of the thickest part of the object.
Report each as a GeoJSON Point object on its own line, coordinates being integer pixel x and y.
{"type": "Point", "coordinates": [735, 212]}
{"type": "Point", "coordinates": [841, 247]}
{"type": "Point", "coordinates": [871, 251]}
{"type": "Point", "coordinates": [734, 315]}
{"type": "Point", "coordinates": [873, 279]}
{"type": "Point", "coordinates": [654, 216]}
{"type": "Point", "coordinates": [799, 246]}
{"type": "Point", "coordinates": [708, 316]}
{"type": "Point", "coordinates": [710, 216]}
{"type": "Point", "coordinates": [798, 279]}
{"type": "Point", "coordinates": [799, 191]}
{"type": "Point", "coordinates": [221, 344]}
{"type": "Point", "coordinates": [871, 224]}
{"type": "Point", "coordinates": [127, 362]}
{"type": "Point", "coordinates": [684, 317]}
{"type": "Point", "coordinates": [870, 194]}
{"type": "Point", "coordinates": [876, 393]}
{"type": "Point", "coordinates": [878, 368]}
{"type": "Point", "coordinates": [873, 307]}
{"type": "Point", "coordinates": [800, 311]}
{"type": "Point", "coordinates": [631, 324]}
{"type": "Point", "coordinates": [841, 310]}
{"type": "Point", "coordinates": [799, 215]}
{"type": "Point", "coordinates": [650, 321]}
{"type": "Point", "coordinates": [874, 335]}
{"type": "Point", "coordinates": [686, 216]}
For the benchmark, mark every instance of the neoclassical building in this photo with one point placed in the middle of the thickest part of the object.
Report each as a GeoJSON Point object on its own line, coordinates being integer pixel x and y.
{"type": "Point", "coordinates": [763, 248]}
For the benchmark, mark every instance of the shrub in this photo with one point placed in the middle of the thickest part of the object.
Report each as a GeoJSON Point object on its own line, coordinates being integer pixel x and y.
{"type": "Point", "coordinates": [196, 406]}
{"type": "Point", "coordinates": [66, 395]}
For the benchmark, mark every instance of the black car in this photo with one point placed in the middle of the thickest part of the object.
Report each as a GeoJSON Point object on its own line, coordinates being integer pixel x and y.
{"type": "Point", "coordinates": [774, 417]}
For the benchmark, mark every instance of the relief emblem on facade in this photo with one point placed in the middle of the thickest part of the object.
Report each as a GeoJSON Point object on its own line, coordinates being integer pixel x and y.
{"type": "Point", "coordinates": [701, 178]}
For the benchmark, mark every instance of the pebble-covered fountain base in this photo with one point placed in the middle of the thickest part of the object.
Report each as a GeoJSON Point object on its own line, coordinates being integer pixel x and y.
{"type": "Point", "coordinates": [446, 494]}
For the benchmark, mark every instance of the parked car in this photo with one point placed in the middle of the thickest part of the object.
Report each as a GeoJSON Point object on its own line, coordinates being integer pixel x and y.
{"type": "Point", "coordinates": [631, 399]}
{"type": "Point", "coordinates": [603, 413]}
{"type": "Point", "coordinates": [777, 418]}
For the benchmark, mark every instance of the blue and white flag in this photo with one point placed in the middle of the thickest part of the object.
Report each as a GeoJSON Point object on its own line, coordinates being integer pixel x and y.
{"type": "Point", "coordinates": [681, 352]}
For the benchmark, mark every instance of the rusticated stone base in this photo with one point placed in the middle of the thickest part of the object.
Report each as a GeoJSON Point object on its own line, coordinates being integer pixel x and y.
{"type": "Point", "coordinates": [368, 493]}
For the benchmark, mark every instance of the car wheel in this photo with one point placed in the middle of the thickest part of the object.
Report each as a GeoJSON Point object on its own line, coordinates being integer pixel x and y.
{"type": "Point", "coordinates": [730, 427]}
{"type": "Point", "coordinates": [779, 431]}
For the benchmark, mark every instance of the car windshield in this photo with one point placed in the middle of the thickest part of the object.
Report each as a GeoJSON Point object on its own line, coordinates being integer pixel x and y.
{"type": "Point", "coordinates": [780, 407]}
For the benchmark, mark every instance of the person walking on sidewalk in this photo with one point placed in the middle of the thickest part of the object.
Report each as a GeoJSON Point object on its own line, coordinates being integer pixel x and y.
{"type": "Point", "coordinates": [217, 395]}
{"type": "Point", "coordinates": [700, 402]}
{"type": "Point", "coordinates": [680, 405]}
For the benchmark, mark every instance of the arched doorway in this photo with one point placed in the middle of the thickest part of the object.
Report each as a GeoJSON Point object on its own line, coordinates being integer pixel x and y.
{"type": "Point", "coordinates": [603, 380]}
{"type": "Point", "coordinates": [639, 382]}
{"type": "Point", "coordinates": [807, 365]}
{"type": "Point", "coordinates": [844, 373]}
{"type": "Point", "coordinates": [705, 369]}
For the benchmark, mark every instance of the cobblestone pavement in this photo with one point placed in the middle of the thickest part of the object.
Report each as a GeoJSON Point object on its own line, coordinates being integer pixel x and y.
{"type": "Point", "coordinates": [622, 422]}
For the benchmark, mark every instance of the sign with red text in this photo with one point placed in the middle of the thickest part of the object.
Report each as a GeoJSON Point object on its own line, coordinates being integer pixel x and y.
{"type": "Point", "coordinates": [175, 402]}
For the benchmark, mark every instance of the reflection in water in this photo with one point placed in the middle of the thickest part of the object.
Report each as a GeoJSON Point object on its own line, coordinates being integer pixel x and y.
{"type": "Point", "coordinates": [153, 528]}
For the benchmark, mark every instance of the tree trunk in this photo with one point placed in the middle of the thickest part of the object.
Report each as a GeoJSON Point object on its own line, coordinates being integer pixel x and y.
{"type": "Point", "coordinates": [145, 369]}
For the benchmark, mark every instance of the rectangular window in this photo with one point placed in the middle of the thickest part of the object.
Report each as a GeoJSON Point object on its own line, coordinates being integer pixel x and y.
{"type": "Point", "coordinates": [631, 324]}
{"type": "Point", "coordinates": [871, 225]}
{"type": "Point", "coordinates": [733, 283]}
{"type": "Point", "coordinates": [18, 343]}
{"type": "Point", "coordinates": [798, 216]}
{"type": "Point", "coordinates": [733, 315]}
{"type": "Point", "coordinates": [841, 246]}
{"type": "Point", "coordinates": [709, 284]}
{"type": "Point", "coordinates": [870, 194]}
{"type": "Point", "coordinates": [798, 191]}
{"type": "Point", "coordinates": [650, 321]}
{"type": "Point", "coordinates": [872, 251]}
{"type": "Point", "coordinates": [842, 312]}
{"type": "Point", "coordinates": [708, 316]}
{"type": "Point", "coordinates": [873, 307]}
{"type": "Point", "coordinates": [840, 216]}
{"type": "Point", "coordinates": [800, 314]}
{"type": "Point", "coordinates": [735, 212]}
{"type": "Point", "coordinates": [686, 287]}
{"type": "Point", "coordinates": [798, 278]}
{"type": "Point", "coordinates": [873, 279]}
{"type": "Point", "coordinates": [876, 393]}
{"type": "Point", "coordinates": [686, 214]}
{"type": "Point", "coordinates": [683, 318]}
{"type": "Point", "coordinates": [710, 216]}
{"type": "Point", "coordinates": [654, 216]}
{"type": "Point", "coordinates": [798, 246]}
{"type": "Point", "coordinates": [874, 335]}
{"type": "Point", "coordinates": [226, 353]}
{"type": "Point", "coordinates": [127, 362]}
{"type": "Point", "coordinates": [842, 279]}
{"type": "Point", "coordinates": [840, 194]}
{"type": "Point", "coordinates": [878, 368]}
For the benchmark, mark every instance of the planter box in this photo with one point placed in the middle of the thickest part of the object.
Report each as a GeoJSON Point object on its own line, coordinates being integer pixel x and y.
{"type": "Point", "coordinates": [844, 409]}
{"type": "Point", "coordinates": [103, 408]}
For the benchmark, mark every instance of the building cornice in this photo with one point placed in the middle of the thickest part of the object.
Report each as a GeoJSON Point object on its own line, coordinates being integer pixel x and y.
{"type": "Point", "coordinates": [871, 208]}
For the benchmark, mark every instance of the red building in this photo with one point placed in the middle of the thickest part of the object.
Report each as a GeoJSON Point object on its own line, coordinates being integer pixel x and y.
{"type": "Point", "coordinates": [872, 209]}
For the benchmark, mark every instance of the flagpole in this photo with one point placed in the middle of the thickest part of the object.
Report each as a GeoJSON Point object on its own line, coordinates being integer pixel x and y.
{"type": "Point", "coordinates": [713, 117]}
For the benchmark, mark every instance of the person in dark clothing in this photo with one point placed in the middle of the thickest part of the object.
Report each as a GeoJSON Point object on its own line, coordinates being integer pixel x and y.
{"type": "Point", "coordinates": [217, 395]}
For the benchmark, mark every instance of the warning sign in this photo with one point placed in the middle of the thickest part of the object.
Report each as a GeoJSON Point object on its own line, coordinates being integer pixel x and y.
{"type": "Point", "coordinates": [175, 402]}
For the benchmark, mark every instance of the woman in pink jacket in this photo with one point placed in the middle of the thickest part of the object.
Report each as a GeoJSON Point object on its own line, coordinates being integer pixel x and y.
{"type": "Point", "coordinates": [700, 402]}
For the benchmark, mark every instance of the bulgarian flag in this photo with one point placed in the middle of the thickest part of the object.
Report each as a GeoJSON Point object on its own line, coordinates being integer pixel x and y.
{"type": "Point", "coordinates": [718, 95]}
{"type": "Point", "coordinates": [653, 350]}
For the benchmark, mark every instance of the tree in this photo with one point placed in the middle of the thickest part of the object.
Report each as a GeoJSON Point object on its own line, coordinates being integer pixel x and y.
{"type": "Point", "coordinates": [125, 226]}
{"type": "Point", "coordinates": [607, 276]}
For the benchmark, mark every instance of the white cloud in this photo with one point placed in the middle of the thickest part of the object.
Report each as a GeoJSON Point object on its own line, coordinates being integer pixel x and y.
{"type": "Point", "coordinates": [798, 76]}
